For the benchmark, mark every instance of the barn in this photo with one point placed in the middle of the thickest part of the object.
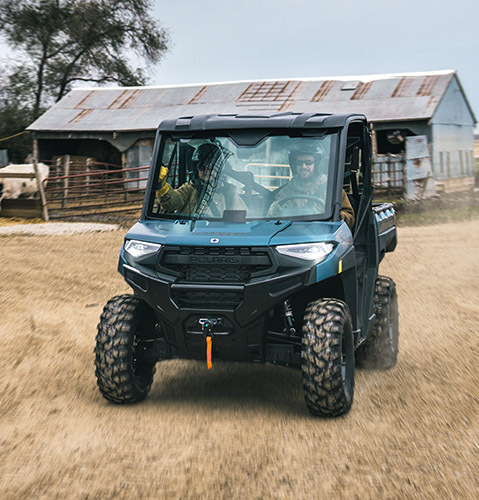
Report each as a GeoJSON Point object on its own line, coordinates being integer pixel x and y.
{"type": "Point", "coordinates": [423, 124]}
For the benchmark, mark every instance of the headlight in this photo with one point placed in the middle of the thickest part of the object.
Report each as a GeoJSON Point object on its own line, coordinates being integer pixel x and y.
{"type": "Point", "coordinates": [307, 251]}
{"type": "Point", "coordinates": [140, 248]}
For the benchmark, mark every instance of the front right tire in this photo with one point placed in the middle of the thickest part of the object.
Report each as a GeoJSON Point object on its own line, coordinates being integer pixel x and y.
{"type": "Point", "coordinates": [328, 358]}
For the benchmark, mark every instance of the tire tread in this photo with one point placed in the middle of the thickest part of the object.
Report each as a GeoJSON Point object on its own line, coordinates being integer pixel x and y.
{"type": "Point", "coordinates": [323, 386]}
{"type": "Point", "coordinates": [114, 365]}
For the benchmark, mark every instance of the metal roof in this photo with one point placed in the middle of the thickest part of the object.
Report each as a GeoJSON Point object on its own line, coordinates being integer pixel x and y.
{"type": "Point", "coordinates": [391, 97]}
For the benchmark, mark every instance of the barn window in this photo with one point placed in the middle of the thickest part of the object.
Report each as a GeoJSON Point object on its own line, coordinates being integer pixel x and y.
{"type": "Point", "coordinates": [392, 140]}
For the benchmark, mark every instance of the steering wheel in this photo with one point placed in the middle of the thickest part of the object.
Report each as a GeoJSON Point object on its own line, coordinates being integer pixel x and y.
{"type": "Point", "coordinates": [308, 197]}
{"type": "Point", "coordinates": [278, 207]}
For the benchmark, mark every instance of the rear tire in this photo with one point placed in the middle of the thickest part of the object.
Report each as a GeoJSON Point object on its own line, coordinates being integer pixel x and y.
{"type": "Point", "coordinates": [123, 376]}
{"type": "Point", "coordinates": [380, 349]}
{"type": "Point", "coordinates": [328, 358]}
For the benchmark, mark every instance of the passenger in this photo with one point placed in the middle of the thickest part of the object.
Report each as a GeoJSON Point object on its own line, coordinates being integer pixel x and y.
{"type": "Point", "coordinates": [204, 193]}
{"type": "Point", "coordinates": [308, 180]}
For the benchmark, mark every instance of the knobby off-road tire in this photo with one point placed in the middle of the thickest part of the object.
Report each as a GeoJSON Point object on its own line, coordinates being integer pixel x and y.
{"type": "Point", "coordinates": [123, 376]}
{"type": "Point", "coordinates": [328, 358]}
{"type": "Point", "coordinates": [380, 349]}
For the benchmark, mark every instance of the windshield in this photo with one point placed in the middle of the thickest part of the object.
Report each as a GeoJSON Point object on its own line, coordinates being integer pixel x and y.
{"type": "Point", "coordinates": [221, 177]}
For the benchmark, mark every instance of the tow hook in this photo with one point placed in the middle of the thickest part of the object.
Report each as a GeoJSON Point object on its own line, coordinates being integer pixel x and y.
{"type": "Point", "coordinates": [207, 325]}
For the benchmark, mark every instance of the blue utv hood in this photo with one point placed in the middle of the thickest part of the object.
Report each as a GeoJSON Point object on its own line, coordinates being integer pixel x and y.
{"type": "Point", "coordinates": [254, 233]}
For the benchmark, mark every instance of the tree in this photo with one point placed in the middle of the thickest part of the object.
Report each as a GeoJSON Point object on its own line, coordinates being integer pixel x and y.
{"type": "Point", "coordinates": [62, 42]}
{"type": "Point", "coordinates": [15, 115]}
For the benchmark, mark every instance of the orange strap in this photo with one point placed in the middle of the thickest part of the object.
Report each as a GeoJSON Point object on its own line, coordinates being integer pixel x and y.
{"type": "Point", "coordinates": [209, 344]}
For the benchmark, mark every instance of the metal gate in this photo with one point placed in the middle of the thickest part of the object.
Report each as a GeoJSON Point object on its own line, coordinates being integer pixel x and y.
{"type": "Point", "coordinates": [95, 189]}
{"type": "Point", "coordinates": [388, 175]}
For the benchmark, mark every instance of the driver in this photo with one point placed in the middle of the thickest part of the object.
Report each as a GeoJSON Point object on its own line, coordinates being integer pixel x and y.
{"type": "Point", "coordinates": [308, 180]}
{"type": "Point", "coordinates": [190, 196]}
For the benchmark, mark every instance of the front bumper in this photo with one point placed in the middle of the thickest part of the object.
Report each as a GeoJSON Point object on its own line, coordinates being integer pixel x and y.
{"type": "Point", "coordinates": [241, 310]}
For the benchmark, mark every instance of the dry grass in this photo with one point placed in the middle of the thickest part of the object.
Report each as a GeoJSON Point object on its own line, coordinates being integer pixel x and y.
{"type": "Point", "coordinates": [237, 431]}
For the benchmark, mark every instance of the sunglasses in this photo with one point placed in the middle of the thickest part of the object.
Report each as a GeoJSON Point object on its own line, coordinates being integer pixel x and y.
{"type": "Point", "coordinates": [308, 163]}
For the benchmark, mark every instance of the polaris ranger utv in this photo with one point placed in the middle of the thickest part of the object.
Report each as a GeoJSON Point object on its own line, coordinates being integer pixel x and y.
{"type": "Point", "coordinates": [230, 265]}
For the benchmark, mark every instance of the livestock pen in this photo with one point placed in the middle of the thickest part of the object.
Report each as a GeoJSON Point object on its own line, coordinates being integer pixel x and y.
{"type": "Point", "coordinates": [88, 188]}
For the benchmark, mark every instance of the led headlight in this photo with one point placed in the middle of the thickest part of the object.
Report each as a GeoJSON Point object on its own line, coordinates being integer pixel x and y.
{"type": "Point", "coordinates": [307, 251]}
{"type": "Point", "coordinates": [140, 248]}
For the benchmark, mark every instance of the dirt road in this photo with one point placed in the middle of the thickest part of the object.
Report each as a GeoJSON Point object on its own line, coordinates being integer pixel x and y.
{"type": "Point", "coordinates": [237, 431]}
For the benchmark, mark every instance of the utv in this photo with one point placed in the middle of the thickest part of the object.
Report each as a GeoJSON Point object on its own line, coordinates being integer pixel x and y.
{"type": "Point", "coordinates": [234, 270]}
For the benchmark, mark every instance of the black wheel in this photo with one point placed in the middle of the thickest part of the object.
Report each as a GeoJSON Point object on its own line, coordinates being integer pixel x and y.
{"type": "Point", "coordinates": [328, 358]}
{"type": "Point", "coordinates": [380, 349]}
{"type": "Point", "coordinates": [123, 376]}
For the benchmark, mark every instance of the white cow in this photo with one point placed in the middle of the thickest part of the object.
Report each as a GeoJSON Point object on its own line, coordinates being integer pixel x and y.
{"type": "Point", "coordinates": [21, 188]}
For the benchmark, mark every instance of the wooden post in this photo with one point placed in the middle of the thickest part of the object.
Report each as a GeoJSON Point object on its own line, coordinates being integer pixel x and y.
{"type": "Point", "coordinates": [125, 175]}
{"type": "Point", "coordinates": [66, 173]}
{"type": "Point", "coordinates": [58, 167]}
{"type": "Point", "coordinates": [374, 145]}
{"type": "Point", "coordinates": [389, 173]}
{"type": "Point", "coordinates": [41, 190]}
{"type": "Point", "coordinates": [88, 168]}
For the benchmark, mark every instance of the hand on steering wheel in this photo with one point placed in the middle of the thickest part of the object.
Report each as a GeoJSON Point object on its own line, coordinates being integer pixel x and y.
{"type": "Point", "coordinates": [313, 202]}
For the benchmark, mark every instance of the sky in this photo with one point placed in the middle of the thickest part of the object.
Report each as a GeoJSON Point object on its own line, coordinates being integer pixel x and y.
{"type": "Point", "coordinates": [229, 40]}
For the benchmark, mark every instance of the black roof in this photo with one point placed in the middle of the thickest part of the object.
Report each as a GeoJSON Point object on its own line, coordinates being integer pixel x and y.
{"type": "Point", "coordinates": [288, 120]}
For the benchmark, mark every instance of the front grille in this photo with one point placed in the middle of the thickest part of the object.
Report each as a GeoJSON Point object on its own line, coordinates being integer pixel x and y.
{"type": "Point", "coordinates": [212, 273]}
{"type": "Point", "coordinates": [201, 298]}
{"type": "Point", "coordinates": [215, 264]}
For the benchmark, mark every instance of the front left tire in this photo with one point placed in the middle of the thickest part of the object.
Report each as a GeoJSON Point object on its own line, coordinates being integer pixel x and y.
{"type": "Point", "coordinates": [123, 375]}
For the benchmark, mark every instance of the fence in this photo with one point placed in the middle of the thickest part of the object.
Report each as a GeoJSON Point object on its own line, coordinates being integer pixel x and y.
{"type": "Point", "coordinates": [388, 175]}
{"type": "Point", "coordinates": [79, 187]}
{"type": "Point", "coordinates": [92, 188]}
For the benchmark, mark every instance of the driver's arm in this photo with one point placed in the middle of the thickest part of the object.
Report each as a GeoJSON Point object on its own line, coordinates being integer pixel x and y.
{"type": "Point", "coordinates": [347, 212]}
{"type": "Point", "coordinates": [176, 199]}
{"type": "Point", "coordinates": [182, 199]}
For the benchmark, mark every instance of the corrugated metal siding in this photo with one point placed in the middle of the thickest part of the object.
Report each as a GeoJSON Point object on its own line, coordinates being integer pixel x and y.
{"type": "Point", "coordinates": [384, 98]}
{"type": "Point", "coordinates": [126, 99]}
{"type": "Point", "coordinates": [402, 87]}
{"type": "Point", "coordinates": [361, 91]}
{"type": "Point", "coordinates": [427, 86]}
{"type": "Point", "coordinates": [199, 95]}
{"type": "Point", "coordinates": [323, 91]}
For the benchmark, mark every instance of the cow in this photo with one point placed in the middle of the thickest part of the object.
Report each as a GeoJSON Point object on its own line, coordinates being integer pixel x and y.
{"type": "Point", "coordinates": [21, 188]}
